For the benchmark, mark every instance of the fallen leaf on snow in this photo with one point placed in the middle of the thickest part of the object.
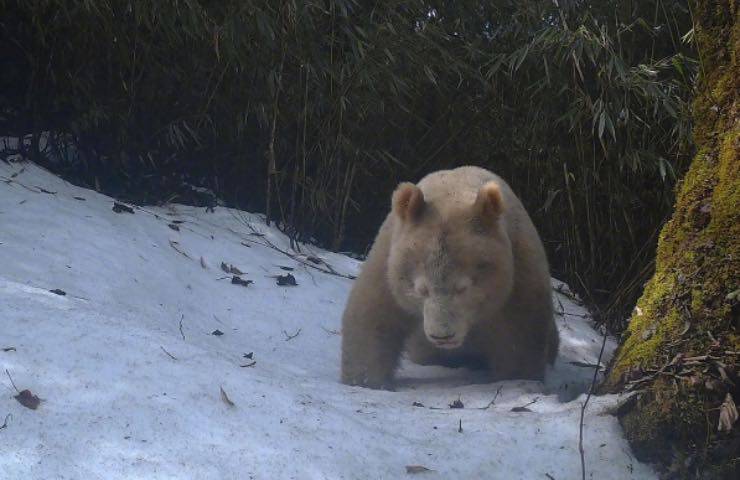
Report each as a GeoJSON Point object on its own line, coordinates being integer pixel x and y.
{"type": "Point", "coordinates": [121, 208]}
{"type": "Point", "coordinates": [217, 332]}
{"type": "Point", "coordinates": [230, 269]}
{"type": "Point", "coordinates": [226, 398]}
{"type": "Point", "coordinates": [524, 408]}
{"type": "Point", "coordinates": [521, 409]}
{"type": "Point", "coordinates": [412, 469]}
{"type": "Point", "coordinates": [457, 404]}
{"type": "Point", "coordinates": [286, 280]}
{"type": "Point", "coordinates": [9, 349]}
{"type": "Point", "coordinates": [58, 291]}
{"type": "Point", "coordinates": [238, 281]}
{"type": "Point", "coordinates": [28, 399]}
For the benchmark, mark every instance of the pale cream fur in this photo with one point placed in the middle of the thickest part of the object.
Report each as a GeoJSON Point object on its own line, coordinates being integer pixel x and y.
{"type": "Point", "coordinates": [457, 276]}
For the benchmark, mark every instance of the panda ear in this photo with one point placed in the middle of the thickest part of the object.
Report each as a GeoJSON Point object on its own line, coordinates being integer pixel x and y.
{"type": "Point", "coordinates": [408, 201]}
{"type": "Point", "coordinates": [489, 204]}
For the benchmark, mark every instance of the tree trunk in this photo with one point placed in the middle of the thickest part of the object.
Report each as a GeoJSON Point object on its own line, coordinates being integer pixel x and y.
{"type": "Point", "coordinates": [681, 349]}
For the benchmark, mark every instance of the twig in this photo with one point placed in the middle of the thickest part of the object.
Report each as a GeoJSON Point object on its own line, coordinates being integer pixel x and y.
{"type": "Point", "coordinates": [291, 337]}
{"type": "Point", "coordinates": [250, 364]}
{"type": "Point", "coordinates": [330, 332]}
{"type": "Point", "coordinates": [182, 316]}
{"type": "Point", "coordinates": [168, 353]}
{"type": "Point", "coordinates": [583, 407]}
{"type": "Point", "coordinates": [11, 381]}
{"type": "Point", "coordinates": [678, 361]}
{"type": "Point", "coordinates": [11, 180]}
{"type": "Point", "coordinates": [175, 247]}
{"type": "Point", "coordinates": [549, 476]}
{"type": "Point", "coordinates": [586, 365]}
{"type": "Point", "coordinates": [5, 423]}
{"type": "Point", "coordinates": [492, 402]}
{"type": "Point", "coordinates": [267, 243]}
{"type": "Point", "coordinates": [562, 307]}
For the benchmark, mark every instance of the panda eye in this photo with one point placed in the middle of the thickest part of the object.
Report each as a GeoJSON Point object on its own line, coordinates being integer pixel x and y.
{"type": "Point", "coordinates": [422, 290]}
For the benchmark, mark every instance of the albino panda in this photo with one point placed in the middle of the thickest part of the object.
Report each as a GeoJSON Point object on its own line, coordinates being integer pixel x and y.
{"type": "Point", "coordinates": [457, 275]}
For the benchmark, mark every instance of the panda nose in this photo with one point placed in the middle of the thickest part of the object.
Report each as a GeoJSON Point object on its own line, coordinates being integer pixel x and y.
{"type": "Point", "coordinates": [443, 337]}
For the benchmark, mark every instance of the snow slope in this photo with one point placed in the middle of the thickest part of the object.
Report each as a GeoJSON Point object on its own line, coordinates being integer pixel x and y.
{"type": "Point", "coordinates": [130, 373]}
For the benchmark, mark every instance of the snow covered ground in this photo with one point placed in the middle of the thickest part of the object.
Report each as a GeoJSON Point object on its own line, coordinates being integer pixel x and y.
{"type": "Point", "coordinates": [131, 374]}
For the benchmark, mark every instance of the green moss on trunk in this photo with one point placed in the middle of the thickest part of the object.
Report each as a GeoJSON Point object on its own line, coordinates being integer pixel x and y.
{"type": "Point", "coordinates": [690, 307]}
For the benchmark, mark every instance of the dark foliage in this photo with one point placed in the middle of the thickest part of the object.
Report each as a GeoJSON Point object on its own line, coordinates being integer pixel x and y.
{"type": "Point", "coordinates": [312, 111]}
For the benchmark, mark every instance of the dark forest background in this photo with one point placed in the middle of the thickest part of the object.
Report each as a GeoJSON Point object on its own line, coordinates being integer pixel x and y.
{"type": "Point", "coordinates": [312, 112]}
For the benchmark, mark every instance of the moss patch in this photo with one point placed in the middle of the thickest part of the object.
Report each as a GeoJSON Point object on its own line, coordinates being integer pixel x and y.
{"type": "Point", "coordinates": [690, 307]}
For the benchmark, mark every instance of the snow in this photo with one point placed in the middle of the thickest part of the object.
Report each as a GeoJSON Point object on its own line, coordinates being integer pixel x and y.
{"type": "Point", "coordinates": [117, 405]}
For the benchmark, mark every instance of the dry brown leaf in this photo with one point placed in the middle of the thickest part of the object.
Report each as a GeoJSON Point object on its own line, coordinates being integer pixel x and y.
{"type": "Point", "coordinates": [286, 280]}
{"type": "Point", "coordinates": [412, 469]}
{"type": "Point", "coordinates": [521, 410]}
{"type": "Point", "coordinates": [727, 414]}
{"type": "Point", "coordinates": [226, 398]}
{"type": "Point", "coordinates": [238, 281]}
{"type": "Point", "coordinates": [121, 208]}
{"type": "Point", "coordinates": [29, 400]}
{"type": "Point", "coordinates": [228, 268]}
